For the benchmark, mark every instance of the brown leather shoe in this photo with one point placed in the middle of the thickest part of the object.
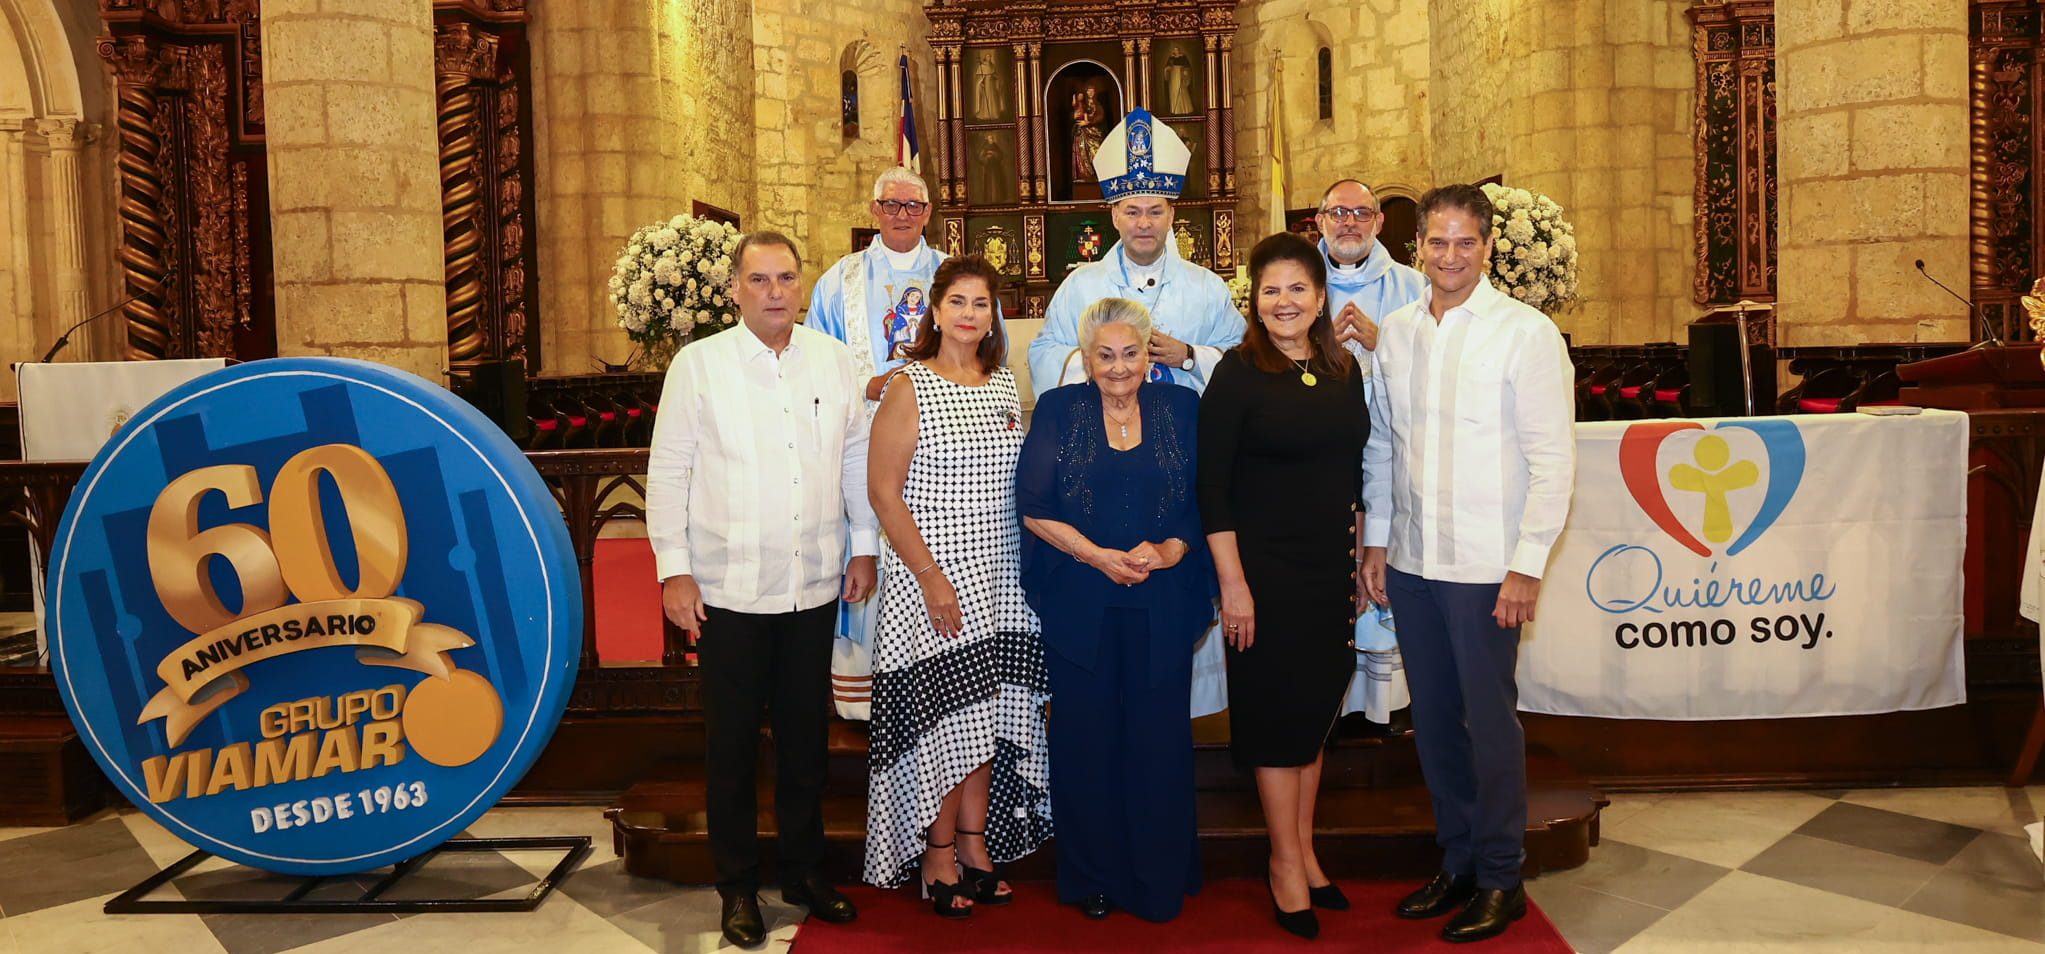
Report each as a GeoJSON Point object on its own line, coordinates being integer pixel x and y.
{"type": "Point", "coordinates": [1487, 915]}
{"type": "Point", "coordinates": [1441, 896]}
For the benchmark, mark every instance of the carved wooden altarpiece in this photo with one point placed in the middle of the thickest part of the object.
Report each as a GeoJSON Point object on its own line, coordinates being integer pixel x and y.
{"type": "Point", "coordinates": [1025, 88]}
{"type": "Point", "coordinates": [194, 206]}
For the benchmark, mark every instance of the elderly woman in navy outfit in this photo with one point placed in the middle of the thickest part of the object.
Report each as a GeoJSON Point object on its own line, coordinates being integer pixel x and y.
{"type": "Point", "coordinates": [1116, 566]}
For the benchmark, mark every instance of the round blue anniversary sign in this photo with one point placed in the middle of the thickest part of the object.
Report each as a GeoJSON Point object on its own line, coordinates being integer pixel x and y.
{"type": "Point", "coordinates": [313, 615]}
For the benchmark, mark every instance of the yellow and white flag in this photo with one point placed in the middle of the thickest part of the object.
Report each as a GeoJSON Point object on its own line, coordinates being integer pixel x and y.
{"type": "Point", "coordinates": [1276, 199]}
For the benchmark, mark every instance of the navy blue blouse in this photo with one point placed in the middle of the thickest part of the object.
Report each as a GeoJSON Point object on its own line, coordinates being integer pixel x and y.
{"type": "Point", "coordinates": [1118, 499]}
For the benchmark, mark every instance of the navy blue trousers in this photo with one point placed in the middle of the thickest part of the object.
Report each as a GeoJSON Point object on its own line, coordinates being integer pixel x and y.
{"type": "Point", "coordinates": [1460, 668]}
{"type": "Point", "coordinates": [1122, 774]}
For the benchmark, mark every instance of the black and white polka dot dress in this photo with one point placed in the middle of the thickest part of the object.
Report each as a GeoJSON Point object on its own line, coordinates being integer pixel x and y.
{"type": "Point", "coordinates": [943, 707]}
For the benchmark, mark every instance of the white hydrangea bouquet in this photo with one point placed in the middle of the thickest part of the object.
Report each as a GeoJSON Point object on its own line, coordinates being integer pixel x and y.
{"type": "Point", "coordinates": [672, 283]}
{"type": "Point", "coordinates": [1535, 259]}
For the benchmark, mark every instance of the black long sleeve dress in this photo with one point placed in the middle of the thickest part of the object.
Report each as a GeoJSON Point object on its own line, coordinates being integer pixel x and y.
{"type": "Point", "coordinates": [1281, 464]}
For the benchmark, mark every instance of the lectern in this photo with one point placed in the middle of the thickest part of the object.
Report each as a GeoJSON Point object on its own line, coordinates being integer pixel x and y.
{"type": "Point", "coordinates": [1989, 378]}
{"type": "Point", "coordinates": [1984, 378]}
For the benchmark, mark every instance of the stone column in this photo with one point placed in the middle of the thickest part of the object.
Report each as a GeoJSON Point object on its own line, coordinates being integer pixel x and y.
{"type": "Point", "coordinates": [1872, 160]}
{"type": "Point", "coordinates": [55, 143]}
{"type": "Point", "coordinates": [355, 181]}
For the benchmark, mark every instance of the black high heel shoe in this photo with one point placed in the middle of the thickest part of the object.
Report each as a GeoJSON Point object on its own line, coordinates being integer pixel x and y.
{"type": "Point", "coordinates": [986, 885]}
{"type": "Point", "coordinates": [1301, 923]}
{"type": "Point", "coordinates": [1328, 896]}
{"type": "Point", "coordinates": [944, 897]}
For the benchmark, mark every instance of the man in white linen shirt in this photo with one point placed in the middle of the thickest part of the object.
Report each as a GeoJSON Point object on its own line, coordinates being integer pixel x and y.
{"type": "Point", "coordinates": [1468, 473]}
{"type": "Point", "coordinates": [758, 467]}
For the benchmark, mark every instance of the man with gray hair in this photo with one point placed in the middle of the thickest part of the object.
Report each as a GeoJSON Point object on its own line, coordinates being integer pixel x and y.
{"type": "Point", "coordinates": [1364, 285]}
{"type": "Point", "coordinates": [874, 299]}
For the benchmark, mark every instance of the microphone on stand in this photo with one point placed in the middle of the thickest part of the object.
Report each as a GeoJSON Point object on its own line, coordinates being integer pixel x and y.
{"type": "Point", "coordinates": [65, 338]}
{"type": "Point", "coordinates": [1987, 329]}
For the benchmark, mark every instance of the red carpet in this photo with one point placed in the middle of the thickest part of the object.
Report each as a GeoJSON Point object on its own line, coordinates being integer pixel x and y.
{"type": "Point", "coordinates": [1229, 917]}
{"type": "Point", "coordinates": [627, 601]}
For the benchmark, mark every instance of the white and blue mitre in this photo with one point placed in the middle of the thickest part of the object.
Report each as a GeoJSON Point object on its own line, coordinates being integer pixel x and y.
{"type": "Point", "coordinates": [1141, 156]}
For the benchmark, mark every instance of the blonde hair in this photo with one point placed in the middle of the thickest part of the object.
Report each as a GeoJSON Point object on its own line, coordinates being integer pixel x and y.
{"type": "Point", "coordinates": [1113, 311]}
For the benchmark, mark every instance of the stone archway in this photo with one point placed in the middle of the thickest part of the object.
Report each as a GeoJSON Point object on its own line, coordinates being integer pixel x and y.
{"type": "Point", "coordinates": [44, 191]}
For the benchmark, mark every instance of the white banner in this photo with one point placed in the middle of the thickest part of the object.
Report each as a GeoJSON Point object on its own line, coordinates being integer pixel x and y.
{"type": "Point", "coordinates": [1753, 568]}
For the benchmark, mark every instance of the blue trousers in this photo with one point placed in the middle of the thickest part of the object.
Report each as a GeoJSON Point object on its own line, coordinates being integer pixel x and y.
{"type": "Point", "coordinates": [1122, 774]}
{"type": "Point", "coordinates": [1460, 667]}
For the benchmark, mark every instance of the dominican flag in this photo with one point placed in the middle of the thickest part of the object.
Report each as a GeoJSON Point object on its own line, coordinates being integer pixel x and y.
{"type": "Point", "coordinates": [905, 136]}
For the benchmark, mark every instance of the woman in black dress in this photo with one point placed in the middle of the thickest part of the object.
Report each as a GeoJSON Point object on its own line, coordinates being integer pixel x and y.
{"type": "Point", "coordinates": [1282, 428]}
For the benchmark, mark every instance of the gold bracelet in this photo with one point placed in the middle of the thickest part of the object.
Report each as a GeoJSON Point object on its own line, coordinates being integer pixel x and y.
{"type": "Point", "coordinates": [926, 568]}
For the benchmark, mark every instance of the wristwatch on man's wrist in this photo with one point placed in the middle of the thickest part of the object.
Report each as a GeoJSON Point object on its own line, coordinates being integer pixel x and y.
{"type": "Point", "coordinates": [1187, 365]}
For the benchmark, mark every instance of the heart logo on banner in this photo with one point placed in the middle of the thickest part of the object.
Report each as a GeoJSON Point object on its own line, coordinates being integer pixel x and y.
{"type": "Point", "coordinates": [1713, 474]}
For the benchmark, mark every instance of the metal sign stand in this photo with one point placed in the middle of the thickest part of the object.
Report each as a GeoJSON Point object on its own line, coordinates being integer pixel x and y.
{"type": "Point", "coordinates": [135, 900]}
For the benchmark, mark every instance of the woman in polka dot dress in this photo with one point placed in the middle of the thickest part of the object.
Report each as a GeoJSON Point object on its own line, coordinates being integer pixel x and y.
{"type": "Point", "coordinates": [959, 776]}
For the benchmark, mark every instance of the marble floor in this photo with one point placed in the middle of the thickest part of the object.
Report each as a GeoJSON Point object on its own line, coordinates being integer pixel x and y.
{"type": "Point", "coordinates": [1882, 871]}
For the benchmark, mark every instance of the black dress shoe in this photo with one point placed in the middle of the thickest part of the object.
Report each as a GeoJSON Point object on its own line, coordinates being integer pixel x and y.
{"type": "Point", "coordinates": [1444, 894]}
{"type": "Point", "coordinates": [1487, 915]}
{"type": "Point", "coordinates": [1095, 907]}
{"type": "Point", "coordinates": [741, 920]}
{"type": "Point", "coordinates": [1328, 896]}
{"type": "Point", "coordinates": [1302, 923]}
{"type": "Point", "coordinates": [823, 901]}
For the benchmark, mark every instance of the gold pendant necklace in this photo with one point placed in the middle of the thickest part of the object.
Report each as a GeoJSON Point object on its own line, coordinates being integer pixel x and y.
{"type": "Point", "coordinates": [1305, 377]}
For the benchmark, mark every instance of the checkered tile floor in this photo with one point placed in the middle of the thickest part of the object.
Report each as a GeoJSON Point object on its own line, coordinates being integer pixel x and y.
{"type": "Point", "coordinates": [1888, 871]}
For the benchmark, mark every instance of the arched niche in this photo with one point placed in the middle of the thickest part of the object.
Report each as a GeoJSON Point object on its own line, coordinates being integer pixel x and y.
{"type": "Point", "coordinates": [857, 113]}
{"type": "Point", "coordinates": [1301, 45]}
{"type": "Point", "coordinates": [49, 181]}
{"type": "Point", "coordinates": [1082, 101]}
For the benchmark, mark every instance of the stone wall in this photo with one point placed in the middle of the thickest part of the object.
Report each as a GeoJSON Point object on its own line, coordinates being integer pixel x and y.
{"type": "Point", "coordinates": [1379, 130]}
{"type": "Point", "coordinates": [1592, 105]}
{"type": "Point", "coordinates": [813, 182]}
{"type": "Point", "coordinates": [355, 182]}
{"type": "Point", "coordinates": [640, 110]}
{"type": "Point", "coordinates": [1872, 141]}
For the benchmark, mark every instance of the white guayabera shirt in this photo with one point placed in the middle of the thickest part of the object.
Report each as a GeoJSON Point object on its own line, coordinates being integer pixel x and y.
{"type": "Point", "coordinates": [758, 467]}
{"type": "Point", "coordinates": [1472, 449]}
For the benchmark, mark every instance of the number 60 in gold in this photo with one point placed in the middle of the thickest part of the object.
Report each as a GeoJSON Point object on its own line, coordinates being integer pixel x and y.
{"type": "Point", "coordinates": [295, 555]}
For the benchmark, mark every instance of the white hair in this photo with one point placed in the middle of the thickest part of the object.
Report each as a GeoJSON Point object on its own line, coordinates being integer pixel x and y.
{"type": "Point", "coordinates": [900, 175]}
{"type": "Point", "coordinates": [1113, 311]}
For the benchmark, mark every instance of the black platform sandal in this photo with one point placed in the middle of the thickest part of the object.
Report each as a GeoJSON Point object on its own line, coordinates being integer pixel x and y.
{"type": "Point", "coordinates": [944, 897]}
{"type": "Point", "coordinates": [986, 885]}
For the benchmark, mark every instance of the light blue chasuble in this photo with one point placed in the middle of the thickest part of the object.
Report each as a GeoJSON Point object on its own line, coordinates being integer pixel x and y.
{"type": "Point", "coordinates": [885, 312]}
{"type": "Point", "coordinates": [1188, 302]}
{"type": "Point", "coordinates": [1378, 286]}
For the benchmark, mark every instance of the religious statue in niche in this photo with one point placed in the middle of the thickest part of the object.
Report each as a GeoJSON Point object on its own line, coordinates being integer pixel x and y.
{"type": "Point", "coordinates": [993, 177]}
{"type": "Point", "coordinates": [988, 105]}
{"type": "Point", "coordinates": [1088, 118]}
{"type": "Point", "coordinates": [1083, 100]}
{"type": "Point", "coordinates": [1178, 81]}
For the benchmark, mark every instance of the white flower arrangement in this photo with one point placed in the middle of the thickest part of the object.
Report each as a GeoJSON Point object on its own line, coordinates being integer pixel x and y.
{"type": "Point", "coordinates": [1239, 290]}
{"type": "Point", "coordinates": [672, 282]}
{"type": "Point", "coordinates": [1535, 258]}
